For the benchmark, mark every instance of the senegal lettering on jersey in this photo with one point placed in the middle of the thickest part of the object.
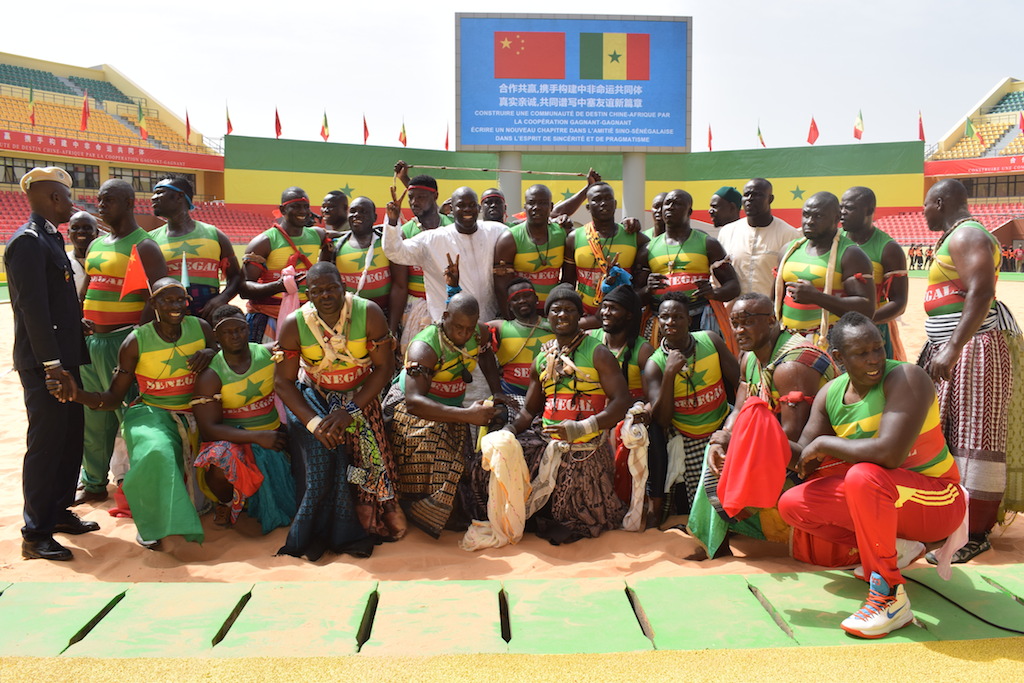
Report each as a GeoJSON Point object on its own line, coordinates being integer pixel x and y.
{"type": "Point", "coordinates": [802, 265]}
{"type": "Point", "coordinates": [945, 293]}
{"type": "Point", "coordinates": [699, 405]}
{"type": "Point", "coordinates": [248, 400]}
{"type": "Point", "coordinates": [281, 256]}
{"type": "Point", "coordinates": [578, 396]}
{"type": "Point", "coordinates": [683, 264]}
{"type": "Point", "coordinates": [162, 371]}
{"type": "Point", "coordinates": [541, 264]}
{"type": "Point", "coordinates": [519, 345]}
{"type": "Point", "coordinates": [340, 375]}
{"type": "Point", "coordinates": [447, 385]}
{"type": "Point", "coordinates": [634, 378]}
{"type": "Point", "coordinates": [201, 249]}
{"type": "Point", "coordinates": [928, 456]}
{"type": "Point", "coordinates": [351, 258]}
{"type": "Point", "coordinates": [873, 248]}
{"type": "Point", "coordinates": [106, 264]}
{"type": "Point", "coordinates": [588, 273]}
{"type": "Point", "coordinates": [411, 229]}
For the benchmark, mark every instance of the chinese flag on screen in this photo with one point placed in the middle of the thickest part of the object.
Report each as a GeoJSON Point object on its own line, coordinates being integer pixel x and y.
{"type": "Point", "coordinates": [522, 54]}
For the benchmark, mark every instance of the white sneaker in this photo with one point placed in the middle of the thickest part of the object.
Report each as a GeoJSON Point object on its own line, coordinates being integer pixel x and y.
{"type": "Point", "coordinates": [883, 612]}
{"type": "Point", "coordinates": [906, 552]}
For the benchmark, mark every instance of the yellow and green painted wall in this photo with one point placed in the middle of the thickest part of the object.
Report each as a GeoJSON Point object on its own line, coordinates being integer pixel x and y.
{"type": "Point", "coordinates": [257, 170]}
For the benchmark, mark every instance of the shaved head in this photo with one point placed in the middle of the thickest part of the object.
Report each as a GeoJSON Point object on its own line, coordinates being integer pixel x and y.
{"type": "Point", "coordinates": [118, 187]}
{"type": "Point", "coordinates": [463, 192]}
{"type": "Point", "coordinates": [293, 193]}
{"type": "Point", "coordinates": [951, 190]}
{"type": "Point", "coordinates": [84, 217]}
{"type": "Point", "coordinates": [539, 192]}
{"type": "Point", "coordinates": [864, 196]}
{"type": "Point", "coordinates": [464, 303]}
{"type": "Point", "coordinates": [945, 203]}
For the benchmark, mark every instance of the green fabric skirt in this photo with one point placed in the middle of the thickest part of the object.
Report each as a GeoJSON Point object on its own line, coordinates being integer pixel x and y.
{"type": "Point", "coordinates": [157, 485]}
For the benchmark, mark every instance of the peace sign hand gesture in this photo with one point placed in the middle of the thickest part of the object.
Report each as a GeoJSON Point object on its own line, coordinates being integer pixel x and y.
{"type": "Point", "coordinates": [394, 207]}
{"type": "Point", "coordinates": [451, 272]}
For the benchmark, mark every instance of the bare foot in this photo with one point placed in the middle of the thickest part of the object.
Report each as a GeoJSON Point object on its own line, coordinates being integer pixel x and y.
{"type": "Point", "coordinates": [395, 520]}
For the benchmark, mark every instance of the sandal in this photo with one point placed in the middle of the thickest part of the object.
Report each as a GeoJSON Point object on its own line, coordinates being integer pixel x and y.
{"type": "Point", "coordinates": [148, 545]}
{"type": "Point", "coordinates": [970, 550]}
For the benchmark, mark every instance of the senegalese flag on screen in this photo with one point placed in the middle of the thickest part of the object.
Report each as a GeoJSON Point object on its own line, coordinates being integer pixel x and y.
{"type": "Point", "coordinates": [529, 54]}
{"type": "Point", "coordinates": [615, 56]}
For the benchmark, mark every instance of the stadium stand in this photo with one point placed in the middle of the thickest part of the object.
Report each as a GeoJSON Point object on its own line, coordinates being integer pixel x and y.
{"type": "Point", "coordinates": [1010, 102]}
{"type": "Point", "coordinates": [24, 77]}
{"type": "Point", "coordinates": [65, 120]}
{"type": "Point", "coordinates": [969, 147]}
{"type": "Point", "coordinates": [909, 227]}
{"type": "Point", "coordinates": [159, 131]}
{"type": "Point", "coordinates": [14, 210]}
{"type": "Point", "coordinates": [1015, 148]}
{"type": "Point", "coordinates": [101, 90]}
{"type": "Point", "coordinates": [239, 226]}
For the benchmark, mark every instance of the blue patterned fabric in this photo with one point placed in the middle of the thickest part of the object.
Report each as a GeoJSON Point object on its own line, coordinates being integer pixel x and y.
{"type": "Point", "coordinates": [326, 517]}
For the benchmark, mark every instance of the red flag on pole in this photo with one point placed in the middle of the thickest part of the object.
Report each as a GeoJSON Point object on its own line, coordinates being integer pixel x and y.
{"type": "Point", "coordinates": [277, 124]}
{"type": "Point", "coordinates": [134, 275]}
{"type": "Point", "coordinates": [32, 106]}
{"type": "Point", "coordinates": [402, 138]}
{"type": "Point", "coordinates": [325, 131]}
{"type": "Point", "coordinates": [227, 114]}
{"type": "Point", "coordinates": [366, 130]}
{"type": "Point", "coordinates": [812, 134]}
{"type": "Point", "coordinates": [188, 129]}
{"type": "Point", "coordinates": [85, 112]}
{"type": "Point", "coordinates": [1020, 123]}
{"type": "Point", "coordinates": [858, 125]}
{"type": "Point", "coordinates": [920, 126]}
{"type": "Point", "coordinates": [446, 137]}
{"type": "Point", "coordinates": [709, 137]}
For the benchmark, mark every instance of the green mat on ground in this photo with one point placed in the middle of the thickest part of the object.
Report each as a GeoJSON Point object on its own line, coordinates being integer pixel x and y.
{"type": "Point", "coordinates": [436, 617]}
{"type": "Point", "coordinates": [299, 620]}
{"type": "Point", "coordinates": [968, 590]}
{"type": "Point", "coordinates": [522, 616]}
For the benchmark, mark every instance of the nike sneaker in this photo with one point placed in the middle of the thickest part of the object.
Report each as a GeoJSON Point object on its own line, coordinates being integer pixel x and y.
{"type": "Point", "coordinates": [885, 611]}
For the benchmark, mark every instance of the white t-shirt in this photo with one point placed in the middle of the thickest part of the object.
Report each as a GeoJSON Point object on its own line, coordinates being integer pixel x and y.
{"type": "Point", "coordinates": [757, 252]}
{"type": "Point", "coordinates": [429, 250]}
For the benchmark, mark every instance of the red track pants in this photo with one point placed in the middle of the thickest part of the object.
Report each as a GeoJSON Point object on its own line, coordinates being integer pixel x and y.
{"type": "Point", "coordinates": [871, 506]}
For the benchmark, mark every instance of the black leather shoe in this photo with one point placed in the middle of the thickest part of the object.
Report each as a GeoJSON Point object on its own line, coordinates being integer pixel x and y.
{"type": "Point", "coordinates": [74, 526]}
{"type": "Point", "coordinates": [45, 549]}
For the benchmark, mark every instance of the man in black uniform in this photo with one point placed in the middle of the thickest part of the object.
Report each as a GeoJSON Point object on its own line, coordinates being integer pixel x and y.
{"type": "Point", "coordinates": [48, 342]}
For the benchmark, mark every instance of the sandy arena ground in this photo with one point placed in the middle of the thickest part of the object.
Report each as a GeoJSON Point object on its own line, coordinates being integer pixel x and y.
{"type": "Point", "coordinates": [243, 554]}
